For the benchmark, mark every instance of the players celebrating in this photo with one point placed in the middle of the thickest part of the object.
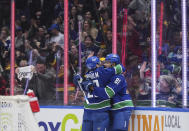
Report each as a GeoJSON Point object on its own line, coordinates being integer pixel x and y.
{"type": "Point", "coordinates": [109, 103]}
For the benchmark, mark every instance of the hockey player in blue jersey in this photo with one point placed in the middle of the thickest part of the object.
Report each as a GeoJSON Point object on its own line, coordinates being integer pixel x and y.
{"type": "Point", "coordinates": [96, 115]}
{"type": "Point", "coordinates": [116, 90]}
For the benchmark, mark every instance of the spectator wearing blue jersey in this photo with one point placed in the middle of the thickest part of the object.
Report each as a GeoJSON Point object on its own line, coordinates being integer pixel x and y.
{"type": "Point", "coordinates": [96, 115]}
{"type": "Point", "coordinates": [116, 90]}
{"type": "Point", "coordinates": [88, 47]}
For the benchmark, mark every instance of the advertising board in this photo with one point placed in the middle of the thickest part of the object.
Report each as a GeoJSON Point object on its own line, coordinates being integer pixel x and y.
{"type": "Point", "coordinates": [142, 119]}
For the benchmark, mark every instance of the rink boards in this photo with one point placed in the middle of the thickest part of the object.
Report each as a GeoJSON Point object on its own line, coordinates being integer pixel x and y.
{"type": "Point", "coordinates": [67, 118]}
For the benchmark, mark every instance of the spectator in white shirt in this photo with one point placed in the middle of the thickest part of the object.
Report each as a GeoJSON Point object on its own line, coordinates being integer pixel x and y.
{"type": "Point", "coordinates": [56, 37]}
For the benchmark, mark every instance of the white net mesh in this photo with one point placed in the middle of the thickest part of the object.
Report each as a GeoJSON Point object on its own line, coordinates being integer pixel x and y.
{"type": "Point", "coordinates": [16, 114]}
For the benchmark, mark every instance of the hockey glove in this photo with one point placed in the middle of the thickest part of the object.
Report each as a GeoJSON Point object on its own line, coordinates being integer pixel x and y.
{"type": "Point", "coordinates": [87, 86]}
{"type": "Point", "coordinates": [77, 79]}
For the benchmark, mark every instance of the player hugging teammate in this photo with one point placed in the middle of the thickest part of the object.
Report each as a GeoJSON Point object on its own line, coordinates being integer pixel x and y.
{"type": "Point", "coordinates": [109, 107]}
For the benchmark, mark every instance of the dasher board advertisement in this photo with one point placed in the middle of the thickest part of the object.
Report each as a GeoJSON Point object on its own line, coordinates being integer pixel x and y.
{"type": "Point", "coordinates": [143, 119]}
{"type": "Point", "coordinates": [60, 118]}
{"type": "Point", "coordinates": [154, 120]}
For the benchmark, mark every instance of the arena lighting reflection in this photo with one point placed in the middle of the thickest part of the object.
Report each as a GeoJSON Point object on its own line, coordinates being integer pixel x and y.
{"type": "Point", "coordinates": [80, 32]}
{"type": "Point", "coordinates": [12, 83]}
{"type": "Point", "coordinates": [66, 20]}
{"type": "Point", "coordinates": [153, 51]}
{"type": "Point", "coordinates": [161, 27]}
{"type": "Point", "coordinates": [114, 26]}
{"type": "Point", "coordinates": [184, 54]}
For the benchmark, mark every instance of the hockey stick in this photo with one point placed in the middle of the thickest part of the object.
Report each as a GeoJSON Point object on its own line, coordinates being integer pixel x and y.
{"type": "Point", "coordinates": [79, 84]}
{"type": "Point", "coordinates": [80, 32]}
{"type": "Point", "coordinates": [27, 81]}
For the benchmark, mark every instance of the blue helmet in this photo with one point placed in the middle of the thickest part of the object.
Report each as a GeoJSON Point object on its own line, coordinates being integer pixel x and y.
{"type": "Point", "coordinates": [113, 58]}
{"type": "Point", "coordinates": [91, 62]}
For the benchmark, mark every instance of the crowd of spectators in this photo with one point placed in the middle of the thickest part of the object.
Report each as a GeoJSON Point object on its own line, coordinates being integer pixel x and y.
{"type": "Point", "coordinates": [39, 41]}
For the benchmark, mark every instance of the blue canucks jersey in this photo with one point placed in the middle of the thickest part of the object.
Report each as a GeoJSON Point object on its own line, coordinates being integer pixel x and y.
{"type": "Point", "coordinates": [100, 77]}
{"type": "Point", "coordinates": [116, 89]}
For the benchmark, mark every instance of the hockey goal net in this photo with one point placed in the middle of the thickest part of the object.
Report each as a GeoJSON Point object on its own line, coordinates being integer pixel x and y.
{"type": "Point", "coordinates": [16, 114]}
